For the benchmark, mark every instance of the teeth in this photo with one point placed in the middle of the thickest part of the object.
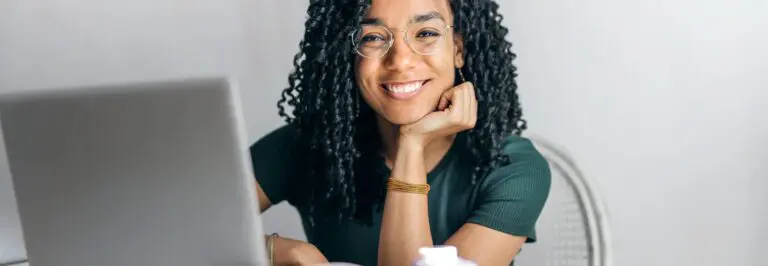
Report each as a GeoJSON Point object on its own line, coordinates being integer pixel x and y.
{"type": "Point", "coordinates": [404, 87]}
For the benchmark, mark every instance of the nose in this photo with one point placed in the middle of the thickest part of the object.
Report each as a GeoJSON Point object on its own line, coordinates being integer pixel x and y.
{"type": "Point", "coordinates": [399, 57]}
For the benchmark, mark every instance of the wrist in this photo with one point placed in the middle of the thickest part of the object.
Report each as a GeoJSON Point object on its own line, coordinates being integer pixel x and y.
{"type": "Point", "coordinates": [410, 144]}
{"type": "Point", "coordinates": [409, 150]}
{"type": "Point", "coordinates": [408, 165]}
{"type": "Point", "coordinates": [282, 248]}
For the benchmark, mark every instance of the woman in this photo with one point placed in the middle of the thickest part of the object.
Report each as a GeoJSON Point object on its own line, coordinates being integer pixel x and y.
{"type": "Point", "coordinates": [403, 134]}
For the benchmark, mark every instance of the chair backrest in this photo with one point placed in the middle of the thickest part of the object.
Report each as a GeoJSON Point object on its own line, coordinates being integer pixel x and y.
{"type": "Point", "coordinates": [573, 228]}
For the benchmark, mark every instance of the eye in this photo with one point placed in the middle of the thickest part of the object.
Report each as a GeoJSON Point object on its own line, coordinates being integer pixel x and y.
{"type": "Point", "coordinates": [372, 38]}
{"type": "Point", "coordinates": [428, 34]}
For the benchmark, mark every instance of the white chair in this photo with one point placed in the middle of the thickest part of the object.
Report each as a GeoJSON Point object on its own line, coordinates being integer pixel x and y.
{"type": "Point", "coordinates": [573, 228]}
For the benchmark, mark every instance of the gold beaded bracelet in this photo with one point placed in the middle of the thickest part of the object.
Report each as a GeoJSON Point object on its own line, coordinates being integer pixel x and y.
{"type": "Point", "coordinates": [400, 186]}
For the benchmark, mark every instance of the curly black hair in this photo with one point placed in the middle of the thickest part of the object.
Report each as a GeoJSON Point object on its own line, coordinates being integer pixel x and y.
{"type": "Point", "coordinates": [336, 130]}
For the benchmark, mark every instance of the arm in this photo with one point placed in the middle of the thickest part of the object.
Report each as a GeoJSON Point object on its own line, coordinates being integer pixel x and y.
{"type": "Point", "coordinates": [405, 226]}
{"type": "Point", "coordinates": [405, 223]}
{"type": "Point", "coordinates": [510, 202]}
{"type": "Point", "coordinates": [486, 246]}
{"type": "Point", "coordinates": [513, 196]}
{"type": "Point", "coordinates": [290, 251]}
{"type": "Point", "coordinates": [264, 202]}
{"type": "Point", "coordinates": [271, 163]}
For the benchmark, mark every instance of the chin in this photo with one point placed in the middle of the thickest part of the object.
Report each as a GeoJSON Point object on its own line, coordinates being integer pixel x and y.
{"type": "Point", "coordinates": [404, 118]}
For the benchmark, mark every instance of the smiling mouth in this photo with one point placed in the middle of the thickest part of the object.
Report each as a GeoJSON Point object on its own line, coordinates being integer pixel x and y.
{"type": "Point", "coordinates": [404, 90]}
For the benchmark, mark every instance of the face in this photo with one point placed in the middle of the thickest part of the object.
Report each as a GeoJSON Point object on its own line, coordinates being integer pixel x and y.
{"type": "Point", "coordinates": [405, 83]}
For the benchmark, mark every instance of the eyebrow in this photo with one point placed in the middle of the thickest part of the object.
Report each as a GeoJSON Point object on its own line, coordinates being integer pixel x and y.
{"type": "Point", "coordinates": [415, 19]}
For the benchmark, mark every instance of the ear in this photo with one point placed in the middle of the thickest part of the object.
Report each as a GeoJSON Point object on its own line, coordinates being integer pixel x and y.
{"type": "Point", "coordinates": [458, 50]}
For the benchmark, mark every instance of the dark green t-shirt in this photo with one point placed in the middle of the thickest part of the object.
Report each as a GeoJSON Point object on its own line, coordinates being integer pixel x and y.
{"type": "Point", "coordinates": [509, 199]}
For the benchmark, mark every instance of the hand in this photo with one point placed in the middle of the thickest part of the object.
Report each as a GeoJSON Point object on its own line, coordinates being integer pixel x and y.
{"type": "Point", "coordinates": [290, 252]}
{"type": "Point", "coordinates": [456, 112]}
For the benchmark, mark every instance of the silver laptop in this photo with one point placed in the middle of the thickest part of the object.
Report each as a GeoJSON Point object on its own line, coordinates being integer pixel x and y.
{"type": "Point", "coordinates": [150, 173]}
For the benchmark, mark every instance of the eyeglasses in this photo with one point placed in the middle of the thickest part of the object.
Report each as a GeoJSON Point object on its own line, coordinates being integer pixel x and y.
{"type": "Point", "coordinates": [424, 38]}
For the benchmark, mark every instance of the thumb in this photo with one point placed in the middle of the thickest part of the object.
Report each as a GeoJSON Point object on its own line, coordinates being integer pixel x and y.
{"type": "Point", "coordinates": [446, 99]}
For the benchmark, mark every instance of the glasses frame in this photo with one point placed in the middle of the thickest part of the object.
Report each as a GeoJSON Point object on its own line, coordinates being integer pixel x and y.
{"type": "Point", "coordinates": [446, 30]}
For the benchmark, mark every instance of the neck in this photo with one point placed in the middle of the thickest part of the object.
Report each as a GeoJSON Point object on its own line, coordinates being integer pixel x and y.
{"type": "Point", "coordinates": [434, 151]}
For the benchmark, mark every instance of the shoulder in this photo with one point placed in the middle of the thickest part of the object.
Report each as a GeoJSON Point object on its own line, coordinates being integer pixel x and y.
{"type": "Point", "coordinates": [512, 196]}
{"type": "Point", "coordinates": [527, 167]}
{"type": "Point", "coordinates": [273, 161]}
{"type": "Point", "coordinates": [521, 149]}
{"type": "Point", "coordinates": [280, 136]}
{"type": "Point", "coordinates": [274, 150]}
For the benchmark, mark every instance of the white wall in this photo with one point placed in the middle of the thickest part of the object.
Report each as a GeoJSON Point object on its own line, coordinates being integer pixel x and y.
{"type": "Point", "coordinates": [658, 100]}
{"type": "Point", "coordinates": [661, 102]}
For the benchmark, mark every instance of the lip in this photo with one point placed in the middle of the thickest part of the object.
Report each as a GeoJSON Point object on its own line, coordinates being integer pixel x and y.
{"type": "Point", "coordinates": [404, 95]}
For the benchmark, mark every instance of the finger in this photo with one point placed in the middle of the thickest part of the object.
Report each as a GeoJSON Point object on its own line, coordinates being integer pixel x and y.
{"type": "Point", "coordinates": [473, 108]}
{"type": "Point", "coordinates": [457, 105]}
{"type": "Point", "coordinates": [442, 104]}
{"type": "Point", "coordinates": [467, 104]}
{"type": "Point", "coordinates": [446, 99]}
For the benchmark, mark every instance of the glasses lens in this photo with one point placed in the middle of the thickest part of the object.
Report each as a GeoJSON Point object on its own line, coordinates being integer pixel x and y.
{"type": "Point", "coordinates": [427, 37]}
{"type": "Point", "coordinates": [372, 41]}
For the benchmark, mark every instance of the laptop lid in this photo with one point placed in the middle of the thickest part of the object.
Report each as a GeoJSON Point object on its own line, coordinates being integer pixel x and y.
{"type": "Point", "coordinates": [150, 173]}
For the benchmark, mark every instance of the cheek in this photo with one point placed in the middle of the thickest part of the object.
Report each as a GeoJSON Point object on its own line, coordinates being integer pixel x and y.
{"type": "Point", "coordinates": [443, 66]}
{"type": "Point", "coordinates": [365, 73]}
{"type": "Point", "coordinates": [443, 60]}
{"type": "Point", "coordinates": [365, 76]}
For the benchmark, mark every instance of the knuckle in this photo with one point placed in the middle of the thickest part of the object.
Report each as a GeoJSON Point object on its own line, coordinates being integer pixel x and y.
{"type": "Point", "coordinates": [456, 118]}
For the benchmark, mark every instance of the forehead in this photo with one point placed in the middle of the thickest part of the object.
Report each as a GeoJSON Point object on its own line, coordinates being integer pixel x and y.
{"type": "Point", "coordinates": [397, 13]}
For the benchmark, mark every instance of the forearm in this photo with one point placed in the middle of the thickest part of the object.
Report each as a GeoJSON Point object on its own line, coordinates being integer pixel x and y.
{"type": "Point", "coordinates": [286, 251]}
{"type": "Point", "coordinates": [405, 222]}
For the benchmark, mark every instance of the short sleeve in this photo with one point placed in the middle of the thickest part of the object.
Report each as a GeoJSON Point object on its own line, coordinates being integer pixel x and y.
{"type": "Point", "coordinates": [512, 197]}
{"type": "Point", "coordinates": [272, 161]}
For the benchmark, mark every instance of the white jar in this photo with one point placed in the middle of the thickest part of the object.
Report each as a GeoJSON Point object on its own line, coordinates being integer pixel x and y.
{"type": "Point", "coordinates": [441, 256]}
